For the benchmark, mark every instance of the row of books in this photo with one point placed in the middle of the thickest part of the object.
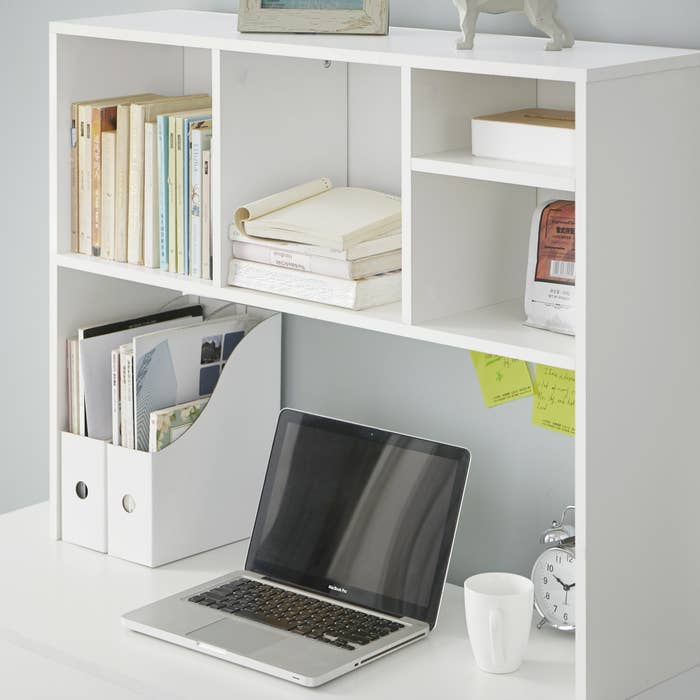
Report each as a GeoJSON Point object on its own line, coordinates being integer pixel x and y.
{"type": "Point", "coordinates": [142, 382]}
{"type": "Point", "coordinates": [141, 181]}
{"type": "Point", "coordinates": [338, 246]}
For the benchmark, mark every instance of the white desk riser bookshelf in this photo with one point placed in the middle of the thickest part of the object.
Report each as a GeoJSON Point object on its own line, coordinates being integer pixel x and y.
{"type": "Point", "coordinates": [393, 113]}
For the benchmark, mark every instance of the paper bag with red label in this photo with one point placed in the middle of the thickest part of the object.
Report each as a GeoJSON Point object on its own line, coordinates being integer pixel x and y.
{"type": "Point", "coordinates": [550, 290]}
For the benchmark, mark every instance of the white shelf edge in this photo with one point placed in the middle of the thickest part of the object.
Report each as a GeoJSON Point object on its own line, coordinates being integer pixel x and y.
{"type": "Point", "coordinates": [377, 50]}
{"type": "Point", "coordinates": [448, 331]}
{"type": "Point", "coordinates": [501, 321]}
{"type": "Point", "coordinates": [254, 45]}
{"type": "Point", "coordinates": [134, 273]}
{"type": "Point", "coordinates": [461, 163]}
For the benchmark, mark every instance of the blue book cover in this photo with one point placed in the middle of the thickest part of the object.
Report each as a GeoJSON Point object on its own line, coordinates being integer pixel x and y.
{"type": "Point", "coordinates": [186, 123]}
{"type": "Point", "coordinates": [162, 124]}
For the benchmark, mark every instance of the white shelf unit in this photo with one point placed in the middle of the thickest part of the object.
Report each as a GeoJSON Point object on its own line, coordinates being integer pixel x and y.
{"type": "Point", "coordinates": [393, 113]}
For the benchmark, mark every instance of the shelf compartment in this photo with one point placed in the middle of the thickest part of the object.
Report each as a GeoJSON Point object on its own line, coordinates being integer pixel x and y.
{"type": "Point", "coordinates": [442, 108]}
{"type": "Point", "coordinates": [89, 68]}
{"type": "Point", "coordinates": [462, 163]}
{"type": "Point", "coordinates": [469, 244]}
{"type": "Point", "coordinates": [263, 149]}
{"type": "Point", "coordinates": [339, 121]}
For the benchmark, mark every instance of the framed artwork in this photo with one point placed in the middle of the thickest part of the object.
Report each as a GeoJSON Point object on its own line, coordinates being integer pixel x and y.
{"type": "Point", "coordinates": [314, 16]}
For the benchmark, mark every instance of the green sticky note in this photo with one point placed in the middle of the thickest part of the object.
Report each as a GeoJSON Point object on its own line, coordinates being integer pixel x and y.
{"type": "Point", "coordinates": [501, 379]}
{"type": "Point", "coordinates": [555, 399]}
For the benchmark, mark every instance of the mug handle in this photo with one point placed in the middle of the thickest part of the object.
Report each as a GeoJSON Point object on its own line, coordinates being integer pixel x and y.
{"type": "Point", "coordinates": [496, 634]}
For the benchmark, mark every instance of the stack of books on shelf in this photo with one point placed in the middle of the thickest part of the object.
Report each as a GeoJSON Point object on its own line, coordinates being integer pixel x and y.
{"type": "Point", "coordinates": [140, 181]}
{"type": "Point", "coordinates": [338, 246]}
{"type": "Point", "coordinates": [142, 382]}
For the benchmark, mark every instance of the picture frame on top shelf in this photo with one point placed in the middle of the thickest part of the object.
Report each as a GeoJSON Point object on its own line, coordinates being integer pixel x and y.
{"type": "Point", "coordinates": [314, 16]}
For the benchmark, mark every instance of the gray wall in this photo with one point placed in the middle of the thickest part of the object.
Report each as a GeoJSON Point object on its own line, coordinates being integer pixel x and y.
{"type": "Point", "coordinates": [521, 475]}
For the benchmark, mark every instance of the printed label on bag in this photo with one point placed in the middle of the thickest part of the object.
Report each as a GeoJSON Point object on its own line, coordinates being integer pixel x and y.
{"type": "Point", "coordinates": [556, 249]}
{"type": "Point", "coordinates": [293, 261]}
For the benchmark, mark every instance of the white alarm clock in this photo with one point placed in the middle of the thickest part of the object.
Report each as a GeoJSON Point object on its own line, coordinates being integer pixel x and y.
{"type": "Point", "coordinates": [554, 576]}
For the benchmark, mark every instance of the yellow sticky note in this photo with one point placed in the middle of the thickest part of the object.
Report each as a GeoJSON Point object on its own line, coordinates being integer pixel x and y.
{"type": "Point", "coordinates": [555, 399]}
{"type": "Point", "coordinates": [501, 379]}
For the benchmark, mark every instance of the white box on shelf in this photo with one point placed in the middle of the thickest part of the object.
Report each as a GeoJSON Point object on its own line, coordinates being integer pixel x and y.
{"type": "Point", "coordinates": [84, 491]}
{"type": "Point", "coordinates": [202, 491]}
{"type": "Point", "coordinates": [544, 136]}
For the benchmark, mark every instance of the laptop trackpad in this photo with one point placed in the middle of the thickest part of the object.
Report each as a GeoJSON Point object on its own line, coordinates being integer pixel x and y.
{"type": "Point", "coordinates": [237, 637]}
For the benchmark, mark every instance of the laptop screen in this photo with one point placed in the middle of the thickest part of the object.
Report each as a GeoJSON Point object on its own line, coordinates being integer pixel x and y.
{"type": "Point", "coordinates": [359, 514]}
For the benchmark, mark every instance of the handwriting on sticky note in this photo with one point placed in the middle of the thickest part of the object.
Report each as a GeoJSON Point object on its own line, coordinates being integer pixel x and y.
{"type": "Point", "coordinates": [501, 379]}
{"type": "Point", "coordinates": [554, 404]}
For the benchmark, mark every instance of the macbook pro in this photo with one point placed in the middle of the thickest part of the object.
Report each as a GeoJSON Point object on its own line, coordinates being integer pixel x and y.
{"type": "Point", "coordinates": [347, 559]}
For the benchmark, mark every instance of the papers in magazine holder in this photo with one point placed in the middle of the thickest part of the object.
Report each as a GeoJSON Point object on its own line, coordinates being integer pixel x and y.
{"type": "Point", "coordinates": [201, 491]}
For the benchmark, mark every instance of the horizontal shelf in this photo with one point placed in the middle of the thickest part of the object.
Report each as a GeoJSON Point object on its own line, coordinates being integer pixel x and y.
{"type": "Point", "coordinates": [462, 163]}
{"type": "Point", "coordinates": [500, 329]}
{"type": "Point", "coordinates": [136, 273]}
{"type": "Point", "coordinates": [496, 329]}
{"type": "Point", "coordinates": [419, 48]}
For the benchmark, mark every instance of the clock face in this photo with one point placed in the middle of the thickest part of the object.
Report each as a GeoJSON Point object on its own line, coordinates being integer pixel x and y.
{"type": "Point", "coordinates": [555, 587]}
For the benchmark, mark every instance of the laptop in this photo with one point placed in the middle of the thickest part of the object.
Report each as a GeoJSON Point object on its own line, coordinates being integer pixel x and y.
{"type": "Point", "coordinates": [347, 560]}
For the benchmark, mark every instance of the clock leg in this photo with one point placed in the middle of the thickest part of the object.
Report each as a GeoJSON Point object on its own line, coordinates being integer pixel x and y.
{"type": "Point", "coordinates": [541, 624]}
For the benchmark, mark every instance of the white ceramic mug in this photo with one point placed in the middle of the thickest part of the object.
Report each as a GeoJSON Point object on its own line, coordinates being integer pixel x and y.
{"type": "Point", "coordinates": [499, 617]}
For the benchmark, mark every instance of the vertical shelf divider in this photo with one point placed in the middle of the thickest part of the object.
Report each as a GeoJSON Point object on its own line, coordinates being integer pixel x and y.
{"type": "Point", "coordinates": [406, 197]}
{"type": "Point", "coordinates": [54, 461]}
{"type": "Point", "coordinates": [581, 655]}
{"type": "Point", "coordinates": [217, 235]}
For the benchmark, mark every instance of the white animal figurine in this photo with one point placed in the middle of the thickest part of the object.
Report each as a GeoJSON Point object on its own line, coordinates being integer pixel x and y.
{"type": "Point", "coordinates": [541, 13]}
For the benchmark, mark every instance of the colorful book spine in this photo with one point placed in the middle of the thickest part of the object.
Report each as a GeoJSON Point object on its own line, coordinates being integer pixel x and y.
{"type": "Point", "coordinates": [121, 199]}
{"type": "Point", "coordinates": [163, 172]}
{"type": "Point", "coordinates": [134, 234]}
{"type": "Point", "coordinates": [85, 179]}
{"type": "Point", "coordinates": [96, 172]}
{"type": "Point", "coordinates": [126, 372]}
{"type": "Point", "coordinates": [108, 168]}
{"type": "Point", "coordinates": [116, 398]}
{"type": "Point", "coordinates": [104, 120]}
{"type": "Point", "coordinates": [200, 138]}
{"type": "Point", "coordinates": [206, 215]}
{"type": "Point", "coordinates": [172, 197]}
{"type": "Point", "coordinates": [151, 237]}
{"type": "Point", "coordinates": [74, 181]}
{"type": "Point", "coordinates": [187, 123]}
{"type": "Point", "coordinates": [179, 196]}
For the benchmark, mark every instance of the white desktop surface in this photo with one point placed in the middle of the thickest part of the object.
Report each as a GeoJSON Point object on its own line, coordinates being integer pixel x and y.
{"type": "Point", "coordinates": [61, 636]}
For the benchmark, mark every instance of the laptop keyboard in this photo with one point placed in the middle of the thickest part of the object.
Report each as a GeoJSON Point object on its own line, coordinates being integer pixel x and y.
{"type": "Point", "coordinates": [325, 622]}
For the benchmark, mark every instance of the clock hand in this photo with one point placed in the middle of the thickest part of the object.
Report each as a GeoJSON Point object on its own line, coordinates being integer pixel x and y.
{"type": "Point", "coordinates": [560, 581]}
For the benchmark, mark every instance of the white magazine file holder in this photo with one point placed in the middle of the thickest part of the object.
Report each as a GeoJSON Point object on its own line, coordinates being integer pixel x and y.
{"type": "Point", "coordinates": [84, 491]}
{"type": "Point", "coordinates": [202, 491]}
{"type": "Point", "coordinates": [198, 493]}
